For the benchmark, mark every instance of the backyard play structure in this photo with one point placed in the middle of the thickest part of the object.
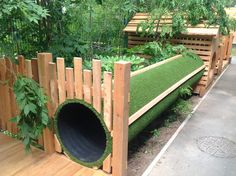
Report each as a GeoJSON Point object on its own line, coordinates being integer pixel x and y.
{"type": "Point", "coordinates": [93, 117]}
{"type": "Point", "coordinates": [96, 114]}
{"type": "Point", "coordinates": [214, 49]}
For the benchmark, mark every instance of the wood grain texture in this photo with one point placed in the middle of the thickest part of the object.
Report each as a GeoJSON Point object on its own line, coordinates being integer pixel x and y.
{"type": "Point", "coordinates": [120, 118]}
{"type": "Point", "coordinates": [43, 68]}
{"type": "Point", "coordinates": [78, 75]}
{"type": "Point", "coordinates": [97, 76]}
{"type": "Point", "coordinates": [70, 83]}
{"type": "Point", "coordinates": [61, 79]}
{"type": "Point", "coordinates": [34, 65]}
{"type": "Point", "coordinates": [2, 93]}
{"type": "Point", "coordinates": [87, 87]}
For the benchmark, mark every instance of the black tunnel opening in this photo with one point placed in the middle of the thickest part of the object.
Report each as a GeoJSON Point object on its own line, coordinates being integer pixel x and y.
{"type": "Point", "coordinates": [81, 132]}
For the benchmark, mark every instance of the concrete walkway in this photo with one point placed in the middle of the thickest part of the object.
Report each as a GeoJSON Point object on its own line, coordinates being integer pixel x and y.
{"type": "Point", "coordinates": [207, 144]}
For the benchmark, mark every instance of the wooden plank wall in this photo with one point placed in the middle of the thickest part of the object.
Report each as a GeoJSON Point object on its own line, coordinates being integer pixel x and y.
{"type": "Point", "coordinates": [61, 83]}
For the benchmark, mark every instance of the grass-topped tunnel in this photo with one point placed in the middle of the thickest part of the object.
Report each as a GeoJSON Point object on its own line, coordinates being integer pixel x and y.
{"type": "Point", "coordinates": [82, 131]}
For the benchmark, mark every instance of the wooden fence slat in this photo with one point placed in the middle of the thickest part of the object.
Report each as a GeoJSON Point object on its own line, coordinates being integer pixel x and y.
{"type": "Point", "coordinates": [28, 69]}
{"type": "Point", "coordinates": [15, 109]}
{"type": "Point", "coordinates": [35, 76]}
{"type": "Point", "coordinates": [120, 118]}
{"type": "Point", "coordinates": [70, 83]}
{"type": "Point", "coordinates": [8, 93]}
{"type": "Point", "coordinates": [231, 37]}
{"type": "Point", "coordinates": [35, 73]}
{"type": "Point", "coordinates": [21, 66]}
{"type": "Point", "coordinates": [2, 93]}
{"type": "Point", "coordinates": [97, 74]}
{"type": "Point", "coordinates": [107, 112]}
{"type": "Point", "coordinates": [61, 79]}
{"type": "Point", "coordinates": [43, 69]}
{"type": "Point", "coordinates": [108, 99]}
{"type": "Point", "coordinates": [54, 97]}
{"type": "Point", "coordinates": [87, 86]}
{"type": "Point", "coordinates": [78, 76]}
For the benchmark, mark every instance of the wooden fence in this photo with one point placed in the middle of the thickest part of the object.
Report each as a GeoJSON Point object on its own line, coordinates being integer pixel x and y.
{"type": "Point", "coordinates": [61, 83]}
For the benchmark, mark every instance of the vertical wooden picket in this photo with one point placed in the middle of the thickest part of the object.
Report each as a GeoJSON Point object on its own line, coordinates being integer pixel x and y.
{"type": "Point", "coordinates": [61, 79]}
{"type": "Point", "coordinates": [54, 97]}
{"type": "Point", "coordinates": [2, 93]}
{"type": "Point", "coordinates": [78, 76]}
{"type": "Point", "coordinates": [28, 69]}
{"type": "Point", "coordinates": [70, 83]}
{"type": "Point", "coordinates": [107, 112]}
{"type": "Point", "coordinates": [43, 68]}
{"type": "Point", "coordinates": [97, 74]}
{"type": "Point", "coordinates": [21, 66]}
{"type": "Point", "coordinates": [35, 73]}
{"type": "Point", "coordinates": [87, 86]}
{"type": "Point", "coordinates": [8, 94]}
{"type": "Point", "coordinates": [120, 118]}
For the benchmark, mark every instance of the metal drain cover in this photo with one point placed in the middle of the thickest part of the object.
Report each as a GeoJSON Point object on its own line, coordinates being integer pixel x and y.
{"type": "Point", "coordinates": [217, 146]}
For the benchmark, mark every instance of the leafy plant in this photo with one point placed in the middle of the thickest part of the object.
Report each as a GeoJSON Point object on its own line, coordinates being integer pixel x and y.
{"type": "Point", "coordinates": [181, 107]}
{"type": "Point", "coordinates": [33, 117]}
{"type": "Point", "coordinates": [108, 62]}
{"type": "Point", "coordinates": [158, 51]}
{"type": "Point", "coordinates": [155, 133]}
{"type": "Point", "coordinates": [232, 24]}
{"type": "Point", "coordinates": [186, 92]}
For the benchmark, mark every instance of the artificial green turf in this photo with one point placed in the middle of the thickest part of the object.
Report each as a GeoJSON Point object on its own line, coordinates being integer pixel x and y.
{"type": "Point", "coordinates": [155, 112]}
{"type": "Point", "coordinates": [148, 85]}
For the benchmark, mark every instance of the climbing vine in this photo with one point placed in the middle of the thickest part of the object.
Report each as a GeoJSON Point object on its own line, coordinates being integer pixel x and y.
{"type": "Point", "coordinates": [33, 116]}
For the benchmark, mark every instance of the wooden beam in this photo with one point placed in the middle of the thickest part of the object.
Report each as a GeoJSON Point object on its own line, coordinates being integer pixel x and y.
{"type": "Point", "coordinates": [43, 68]}
{"type": "Point", "coordinates": [156, 100]}
{"type": "Point", "coordinates": [120, 118]}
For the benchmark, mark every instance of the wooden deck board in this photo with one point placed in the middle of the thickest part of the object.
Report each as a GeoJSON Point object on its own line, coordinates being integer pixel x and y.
{"type": "Point", "coordinates": [15, 162]}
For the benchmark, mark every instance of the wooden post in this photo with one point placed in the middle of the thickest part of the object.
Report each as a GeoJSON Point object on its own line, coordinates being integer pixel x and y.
{"type": "Point", "coordinates": [61, 79]}
{"type": "Point", "coordinates": [34, 66]}
{"type": "Point", "coordinates": [107, 112]}
{"type": "Point", "coordinates": [21, 66]}
{"type": "Point", "coordinates": [87, 86]}
{"type": "Point", "coordinates": [8, 93]}
{"type": "Point", "coordinates": [70, 83]}
{"type": "Point", "coordinates": [97, 74]}
{"type": "Point", "coordinates": [120, 118]}
{"type": "Point", "coordinates": [43, 69]}
{"type": "Point", "coordinates": [78, 76]}
{"type": "Point", "coordinates": [231, 37]}
{"type": "Point", "coordinates": [28, 69]}
{"type": "Point", "coordinates": [54, 98]}
{"type": "Point", "coordinates": [2, 93]}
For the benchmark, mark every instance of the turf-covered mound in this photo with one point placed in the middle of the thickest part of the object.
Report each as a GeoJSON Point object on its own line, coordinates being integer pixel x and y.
{"type": "Point", "coordinates": [82, 131]}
